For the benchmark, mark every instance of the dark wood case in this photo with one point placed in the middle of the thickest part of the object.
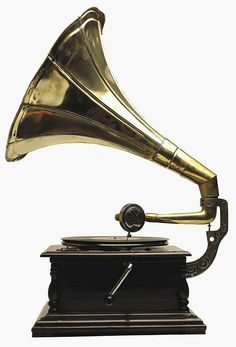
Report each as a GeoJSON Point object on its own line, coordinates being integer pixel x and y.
{"type": "Point", "coordinates": [153, 299]}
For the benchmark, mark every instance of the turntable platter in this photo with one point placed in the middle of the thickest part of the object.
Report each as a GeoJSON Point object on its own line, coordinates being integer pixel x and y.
{"type": "Point", "coordinates": [113, 242]}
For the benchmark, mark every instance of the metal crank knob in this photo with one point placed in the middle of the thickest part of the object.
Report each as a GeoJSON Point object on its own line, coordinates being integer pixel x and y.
{"type": "Point", "coordinates": [109, 300]}
{"type": "Point", "coordinates": [131, 217]}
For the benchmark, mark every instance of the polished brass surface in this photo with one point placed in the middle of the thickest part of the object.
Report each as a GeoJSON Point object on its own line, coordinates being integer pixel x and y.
{"type": "Point", "coordinates": [74, 98]}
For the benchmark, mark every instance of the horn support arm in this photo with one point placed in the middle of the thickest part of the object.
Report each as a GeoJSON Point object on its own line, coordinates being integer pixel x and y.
{"type": "Point", "coordinates": [214, 237]}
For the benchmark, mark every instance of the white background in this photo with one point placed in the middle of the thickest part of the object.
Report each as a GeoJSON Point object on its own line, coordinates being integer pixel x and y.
{"type": "Point", "coordinates": [175, 60]}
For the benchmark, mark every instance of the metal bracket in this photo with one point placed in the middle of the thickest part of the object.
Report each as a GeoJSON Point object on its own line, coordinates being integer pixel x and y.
{"type": "Point", "coordinates": [214, 238]}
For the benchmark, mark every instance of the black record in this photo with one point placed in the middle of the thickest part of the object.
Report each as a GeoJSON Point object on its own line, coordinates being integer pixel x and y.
{"type": "Point", "coordinates": [113, 242]}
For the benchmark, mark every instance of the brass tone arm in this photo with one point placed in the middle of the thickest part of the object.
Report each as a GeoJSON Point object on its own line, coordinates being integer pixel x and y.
{"type": "Point", "coordinates": [205, 216]}
{"type": "Point", "coordinates": [132, 217]}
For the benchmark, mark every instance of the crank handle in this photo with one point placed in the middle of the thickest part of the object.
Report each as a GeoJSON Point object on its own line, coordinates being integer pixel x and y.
{"type": "Point", "coordinates": [109, 298]}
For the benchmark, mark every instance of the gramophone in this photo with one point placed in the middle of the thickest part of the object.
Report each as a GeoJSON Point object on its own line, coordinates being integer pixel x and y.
{"type": "Point", "coordinates": [111, 285]}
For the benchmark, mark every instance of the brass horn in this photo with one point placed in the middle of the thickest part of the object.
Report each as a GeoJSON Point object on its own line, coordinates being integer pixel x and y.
{"type": "Point", "coordinates": [74, 98]}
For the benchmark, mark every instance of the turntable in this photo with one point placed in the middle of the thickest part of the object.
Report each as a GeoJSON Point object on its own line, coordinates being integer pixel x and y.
{"type": "Point", "coordinates": [118, 284]}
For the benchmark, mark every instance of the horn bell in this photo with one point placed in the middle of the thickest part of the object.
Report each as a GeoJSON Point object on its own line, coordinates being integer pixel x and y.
{"type": "Point", "coordinates": [74, 98]}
